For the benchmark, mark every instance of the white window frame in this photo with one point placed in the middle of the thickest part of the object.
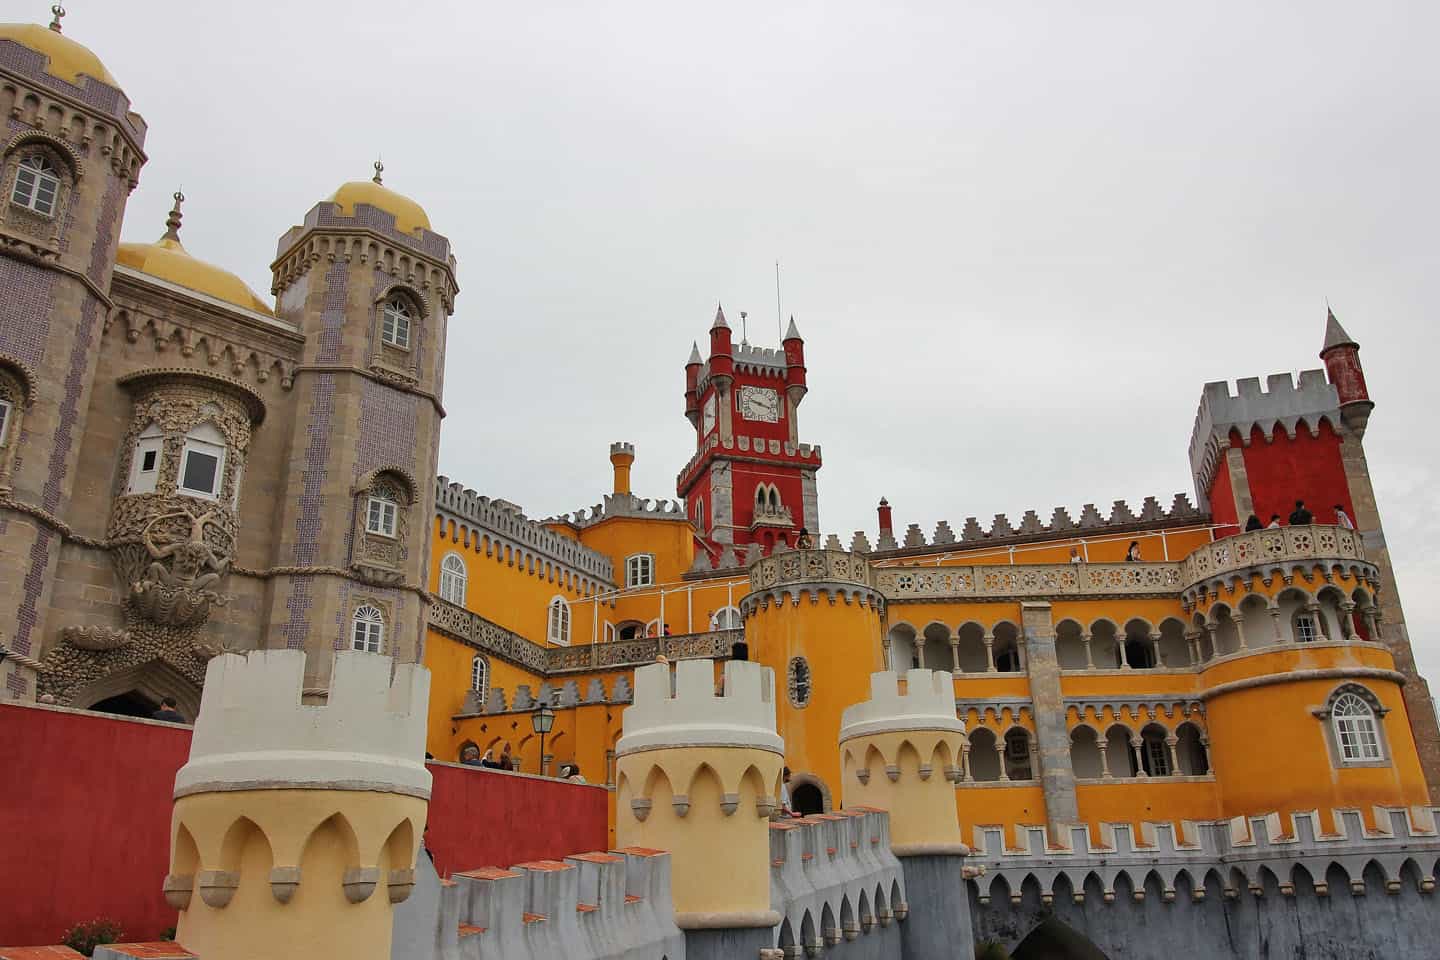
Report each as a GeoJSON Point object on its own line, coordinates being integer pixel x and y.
{"type": "Point", "coordinates": [1312, 625]}
{"type": "Point", "coordinates": [205, 440]}
{"type": "Point", "coordinates": [453, 582]}
{"type": "Point", "coordinates": [367, 629]}
{"type": "Point", "coordinates": [6, 409]}
{"type": "Point", "coordinates": [609, 632]}
{"type": "Point", "coordinates": [395, 323]}
{"type": "Point", "coordinates": [1157, 751]}
{"type": "Point", "coordinates": [152, 440]}
{"type": "Point", "coordinates": [34, 176]}
{"type": "Point", "coordinates": [480, 676]}
{"type": "Point", "coordinates": [389, 513]}
{"type": "Point", "coordinates": [635, 565]}
{"type": "Point", "coordinates": [731, 614]}
{"type": "Point", "coordinates": [1356, 730]}
{"type": "Point", "coordinates": [557, 621]}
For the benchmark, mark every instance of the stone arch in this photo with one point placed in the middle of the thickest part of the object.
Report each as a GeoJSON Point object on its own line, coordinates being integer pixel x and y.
{"type": "Point", "coordinates": [1085, 753]}
{"type": "Point", "coordinates": [1019, 754]}
{"type": "Point", "coordinates": [972, 647]}
{"type": "Point", "coordinates": [1105, 638]}
{"type": "Point", "coordinates": [1139, 649]}
{"type": "Point", "coordinates": [802, 785]}
{"type": "Point", "coordinates": [1118, 753]}
{"type": "Point", "coordinates": [904, 654]}
{"type": "Point", "coordinates": [935, 654]}
{"type": "Point", "coordinates": [828, 928]}
{"type": "Point", "coordinates": [984, 755]}
{"type": "Point", "coordinates": [1225, 631]}
{"type": "Point", "coordinates": [1052, 939]}
{"type": "Point", "coordinates": [1155, 757]}
{"type": "Point", "coordinates": [1070, 646]}
{"type": "Point", "coordinates": [1191, 750]}
{"type": "Point", "coordinates": [1174, 648]}
{"type": "Point", "coordinates": [154, 680]}
{"type": "Point", "coordinates": [1008, 656]}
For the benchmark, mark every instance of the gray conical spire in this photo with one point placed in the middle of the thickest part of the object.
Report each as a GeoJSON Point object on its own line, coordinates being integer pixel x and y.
{"type": "Point", "coordinates": [694, 354]}
{"type": "Point", "coordinates": [1335, 335]}
{"type": "Point", "coordinates": [719, 318]}
{"type": "Point", "coordinates": [792, 332]}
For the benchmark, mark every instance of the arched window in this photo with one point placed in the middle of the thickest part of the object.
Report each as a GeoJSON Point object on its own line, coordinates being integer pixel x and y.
{"type": "Point", "coordinates": [726, 618]}
{"type": "Point", "coordinates": [145, 462]}
{"type": "Point", "coordinates": [381, 510]}
{"type": "Point", "coordinates": [452, 580]}
{"type": "Point", "coordinates": [395, 323]}
{"type": "Point", "coordinates": [774, 498]}
{"type": "Point", "coordinates": [202, 465]}
{"type": "Point", "coordinates": [558, 627]}
{"type": "Point", "coordinates": [37, 185]}
{"type": "Point", "coordinates": [700, 515]}
{"type": "Point", "coordinates": [369, 632]}
{"type": "Point", "coordinates": [1017, 754]}
{"type": "Point", "coordinates": [1307, 627]}
{"type": "Point", "coordinates": [798, 677]}
{"type": "Point", "coordinates": [1355, 732]}
{"type": "Point", "coordinates": [1155, 752]}
{"type": "Point", "coordinates": [640, 570]}
{"type": "Point", "coordinates": [480, 676]}
{"type": "Point", "coordinates": [4, 420]}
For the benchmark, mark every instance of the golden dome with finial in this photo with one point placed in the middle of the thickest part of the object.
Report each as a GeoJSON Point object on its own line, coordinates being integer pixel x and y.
{"type": "Point", "coordinates": [167, 260]}
{"type": "Point", "coordinates": [68, 59]}
{"type": "Point", "coordinates": [407, 213]}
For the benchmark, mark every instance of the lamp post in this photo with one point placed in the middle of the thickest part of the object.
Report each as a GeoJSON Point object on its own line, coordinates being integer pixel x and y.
{"type": "Point", "coordinates": [542, 719]}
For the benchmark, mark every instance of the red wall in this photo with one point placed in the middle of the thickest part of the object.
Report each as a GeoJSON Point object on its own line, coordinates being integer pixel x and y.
{"type": "Point", "coordinates": [85, 809]}
{"type": "Point", "coordinates": [1222, 500]}
{"type": "Point", "coordinates": [1307, 468]}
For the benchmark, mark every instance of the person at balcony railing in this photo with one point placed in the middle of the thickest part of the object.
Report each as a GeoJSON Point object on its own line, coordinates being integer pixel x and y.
{"type": "Point", "coordinates": [1301, 517]}
{"type": "Point", "coordinates": [1075, 555]}
{"type": "Point", "coordinates": [803, 541]}
{"type": "Point", "coordinates": [1274, 522]}
{"type": "Point", "coordinates": [1253, 524]}
{"type": "Point", "coordinates": [1133, 554]}
{"type": "Point", "coordinates": [489, 762]}
{"type": "Point", "coordinates": [470, 756]}
{"type": "Point", "coordinates": [1342, 519]}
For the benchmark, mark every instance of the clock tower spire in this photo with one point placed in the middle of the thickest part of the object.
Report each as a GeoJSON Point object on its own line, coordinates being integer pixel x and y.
{"type": "Point", "coordinates": [751, 480]}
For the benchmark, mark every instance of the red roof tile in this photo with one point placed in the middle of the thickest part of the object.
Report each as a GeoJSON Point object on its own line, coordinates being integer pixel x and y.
{"type": "Point", "coordinates": [469, 930]}
{"type": "Point", "coordinates": [534, 917]}
{"type": "Point", "coordinates": [630, 898]}
{"type": "Point", "coordinates": [38, 953]}
{"type": "Point", "coordinates": [641, 851]}
{"type": "Point", "coordinates": [544, 866]}
{"type": "Point", "coordinates": [488, 873]}
{"type": "Point", "coordinates": [596, 857]}
{"type": "Point", "coordinates": [586, 908]}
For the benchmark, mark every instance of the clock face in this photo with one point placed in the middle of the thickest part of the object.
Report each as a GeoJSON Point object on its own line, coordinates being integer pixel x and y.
{"type": "Point", "coordinates": [759, 403]}
{"type": "Point", "coordinates": [709, 422]}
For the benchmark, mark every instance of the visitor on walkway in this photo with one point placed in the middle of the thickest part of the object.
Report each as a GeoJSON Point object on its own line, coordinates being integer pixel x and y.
{"type": "Point", "coordinates": [1300, 517]}
{"type": "Point", "coordinates": [470, 756]}
{"type": "Point", "coordinates": [1133, 554]}
{"type": "Point", "coordinates": [1253, 524]}
{"type": "Point", "coordinates": [1342, 519]}
{"type": "Point", "coordinates": [167, 712]}
{"type": "Point", "coordinates": [570, 772]}
{"type": "Point", "coordinates": [1075, 555]}
{"type": "Point", "coordinates": [1274, 521]}
{"type": "Point", "coordinates": [803, 542]}
{"type": "Point", "coordinates": [489, 762]}
{"type": "Point", "coordinates": [507, 760]}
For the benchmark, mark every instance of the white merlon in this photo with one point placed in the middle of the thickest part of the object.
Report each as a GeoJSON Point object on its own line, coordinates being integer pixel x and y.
{"type": "Point", "coordinates": [744, 716]}
{"type": "Point", "coordinates": [253, 733]}
{"type": "Point", "coordinates": [928, 703]}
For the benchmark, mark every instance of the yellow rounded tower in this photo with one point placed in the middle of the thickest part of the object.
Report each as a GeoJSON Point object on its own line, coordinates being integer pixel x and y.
{"type": "Point", "coordinates": [296, 827]}
{"type": "Point", "coordinates": [697, 774]}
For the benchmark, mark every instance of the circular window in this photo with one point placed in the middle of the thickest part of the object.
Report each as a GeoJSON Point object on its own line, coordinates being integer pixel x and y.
{"type": "Point", "coordinates": [798, 681]}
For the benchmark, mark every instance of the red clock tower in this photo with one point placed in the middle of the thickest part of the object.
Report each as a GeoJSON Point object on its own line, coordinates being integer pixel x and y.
{"type": "Point", "coordinates": [751, 480]}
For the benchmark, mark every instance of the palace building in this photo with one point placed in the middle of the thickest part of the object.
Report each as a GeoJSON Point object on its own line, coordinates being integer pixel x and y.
{"type": "Point", "coordinates": [190, 470]}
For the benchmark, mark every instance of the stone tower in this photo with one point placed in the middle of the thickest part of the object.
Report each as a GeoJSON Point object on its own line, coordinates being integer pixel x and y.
{"type": "Point", "coordinates": [73, 150]}
{"type": "Point", "coordinates": [697, 775]}
{"type": "Point", "coordinates": [900, 751]}
{"type": "Point", "coordinates": [371, 287]}
{"type": "Point", "coordinates": [752, 481]}
{"type": "Point", "coordinates": [295, 828]}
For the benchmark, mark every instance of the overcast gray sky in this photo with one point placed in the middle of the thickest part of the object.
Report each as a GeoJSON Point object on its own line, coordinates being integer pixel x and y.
{"type": "Point", "coordinates": [1017, 237]}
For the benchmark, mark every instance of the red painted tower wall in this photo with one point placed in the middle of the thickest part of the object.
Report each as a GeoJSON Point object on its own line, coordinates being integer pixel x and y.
{"type": "Point", "coordinates": [1307, 468]}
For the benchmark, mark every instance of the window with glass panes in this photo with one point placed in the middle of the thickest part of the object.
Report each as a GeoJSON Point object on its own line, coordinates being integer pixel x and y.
{"type": "Point", "coordinates": [36, 185]}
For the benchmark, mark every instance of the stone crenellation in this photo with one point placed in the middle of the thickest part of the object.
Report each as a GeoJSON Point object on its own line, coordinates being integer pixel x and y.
{"type": "Point", "coordinates": [1282, 403]}
{"type": "Point", "coordinates": [506, 521]}
{"type": "Point", "coordinates": [807, 454]}
{"type": "Point", "coordinates": [1120, 518]}
{"type": "Point", "coordinates": [681, 709]}
{"type": "Point", "coordinates": [253, 730]}
{"type": "Point", "coordinates": [624, 505]}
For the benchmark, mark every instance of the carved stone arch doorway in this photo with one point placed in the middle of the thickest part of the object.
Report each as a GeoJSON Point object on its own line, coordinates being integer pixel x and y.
{"type": "Point", "coordinates": [152, 681]}
{"type": "Point", "coordinates": [808, 794]}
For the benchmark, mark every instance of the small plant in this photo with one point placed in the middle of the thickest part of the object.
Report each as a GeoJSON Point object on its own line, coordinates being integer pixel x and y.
{"type": "Point", "coordinates": [85, 936]}
{"type": "Point", "coordinates": [991, 950]}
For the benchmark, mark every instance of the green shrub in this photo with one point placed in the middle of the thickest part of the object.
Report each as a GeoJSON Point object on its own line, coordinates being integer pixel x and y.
{"type": "Point", "coordinates": [991, 950]}
{"type": "Point", "coordinates": [85, 936]}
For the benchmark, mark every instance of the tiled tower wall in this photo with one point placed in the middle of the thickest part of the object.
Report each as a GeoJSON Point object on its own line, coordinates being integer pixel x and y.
{"type": "Point", "coordinates": [360, 408]}
{"type": "Point", "coordinates": [52, 281]}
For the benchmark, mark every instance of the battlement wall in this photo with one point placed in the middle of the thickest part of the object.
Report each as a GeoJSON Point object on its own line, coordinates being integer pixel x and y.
{"type": "Point", "coordinates": [690, 714]}
{"type": "Point", "coordinates": [625, 505]}
{"type": "Point", "coordinates": [927, 702]}
{"type": "Point", "coordinates": [503, 520]}
{"type": "Point", "coordinates": [254, 733]}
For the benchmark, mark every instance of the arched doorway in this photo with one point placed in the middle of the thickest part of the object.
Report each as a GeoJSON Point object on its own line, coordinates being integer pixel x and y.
{"type": "Point", "coordinates": [1053, 940]}
{"type": "Point", "coordinates": [148, 682]}
{"type": "Point", "coordinates": [130, 704]}
{"type": "Point", "coordinates": [806, 799]}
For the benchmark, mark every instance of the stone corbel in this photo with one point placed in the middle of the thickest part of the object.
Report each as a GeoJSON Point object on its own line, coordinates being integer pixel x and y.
{"type": "Point", "coordinates": [640, 807]}
{"type": "Point", "coordinates": [217, 887]}
{"type": "Point", "coordinates": [765, 807]}
{"type": "Point", "coordinates": [863, 775]}
{"type": "Point", "coordinates": [359, 883]}
{"type": "Point", "coordinates": [680, 803]}
{"type": "Point", "coordinates": [925, 771]}
{"type": "Point", "coordinates": [283, 881]}
{"type": "Point", "coordinates": [400, 884]}
{"type": "Point", "coordinates": [178, 889]}
{"type": "Point", "coordinates": [729, 803]}
{"type": "Point", "coordinates": [892, 771]}
{"type": "Point", "coordinates": [902, 910]}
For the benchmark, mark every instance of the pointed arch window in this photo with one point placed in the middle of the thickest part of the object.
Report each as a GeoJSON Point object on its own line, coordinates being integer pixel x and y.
{"type": "Point", "coordinates": [369, 629]}
{"type": "Point", "coordinates": [480, 676]}
{"type": "Point", "coordinates": [395, 323]}
{"type": "Point", "coordinates": [452, 580]}
{"type": "Point", "coordinates": [558, 622]}
{"type": "Point", "coordinates": [37, 185]}
{"type": "Point", "coordinates": [727, 618]}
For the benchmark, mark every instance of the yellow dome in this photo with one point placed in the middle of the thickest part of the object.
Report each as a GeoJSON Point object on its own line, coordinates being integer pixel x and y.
{"type": "Point", "coordinates": [408, 214]}
{"type": "Point", "coordinates": [68, 59]}
{"type": "Point", "coordinates": [166, 259]}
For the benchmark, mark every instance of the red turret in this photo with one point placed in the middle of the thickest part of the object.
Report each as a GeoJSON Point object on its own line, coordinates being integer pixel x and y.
{"type": "Point", "coordinates": [1342, 363]}
{"type": "Point", "coordinates": [794, 359]}
{"type": "Point", "coordinates": [886, 524]}
{"type": "Point", "coordinates": [722, 361]}
{"type": "Point", "coordinates": [692, 385]}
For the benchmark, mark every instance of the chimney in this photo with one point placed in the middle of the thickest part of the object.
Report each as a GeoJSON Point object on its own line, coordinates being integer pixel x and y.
{"type": "Point", "coordinates": [621, 456]}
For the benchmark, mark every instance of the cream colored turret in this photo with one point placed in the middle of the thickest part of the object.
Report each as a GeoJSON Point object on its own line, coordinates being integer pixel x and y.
{"type": "Point", "coordinates": [899, 752]}
{"type": "Point", "coordinates": [697, 775]}
{"type": "Point", "coordinates": [296, 827]}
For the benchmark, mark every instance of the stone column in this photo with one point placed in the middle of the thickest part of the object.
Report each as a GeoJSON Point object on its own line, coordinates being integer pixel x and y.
{"type": "Point", "coordinates": [1120, 641]}
{"type": "Point", "coordinates": [989, 652]}
{"type": "Point", "coordinates": [1155, 647]}
{"type": "Point", "coordinates": [1192, 642]}
{"type": "Point", "coordinates": [955, 653]}
{"type": "Point", "coordinates": [924, 824]}
{"type": "Point", "coordinates": [1089, 655]}
{"type": "Point", "coordinates": [965, 773]}
{"type": "Point", "coordinates": [1000, 756]}
{"type": "Point", "coordinates": [1104, 746]}
{"type": "Point", "coordinates": [1275, 621]}
{"type": "Point", "coordinates": [919, 650]}
{"type": "Point", "coordinates": [1347, 620]}
{"type": "Point", "coordinates": [1313, 609]}
{"type": "Point", "coordinates": [1136, 743]}
{"type": "Point", "coordinates": [1170, 743]}
{"type": "Point", "coordinates": [1055, 774]}
{"type": "Point", "coordinates": [1239, 620]}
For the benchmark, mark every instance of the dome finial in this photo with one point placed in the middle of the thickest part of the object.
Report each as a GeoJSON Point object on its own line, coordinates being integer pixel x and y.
{"type": "Point", "coordinates": [379, 169]}
{"type": "Point", "coordinates": [172, 222]}
{"type": "Point", "coordinates": [59, 12]}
